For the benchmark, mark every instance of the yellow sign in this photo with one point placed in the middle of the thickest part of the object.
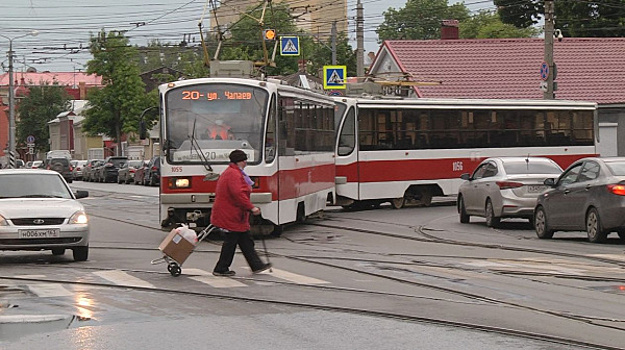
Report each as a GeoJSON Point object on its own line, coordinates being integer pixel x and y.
{"type": "Point", "coordinates": [269, 34]}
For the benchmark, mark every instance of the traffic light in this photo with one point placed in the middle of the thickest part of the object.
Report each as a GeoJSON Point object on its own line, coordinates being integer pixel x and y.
{"type": "Point", "coordinates": [269, 34]}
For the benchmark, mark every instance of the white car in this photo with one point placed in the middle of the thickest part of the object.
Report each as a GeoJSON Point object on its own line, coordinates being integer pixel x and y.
{"type": "Point", "coordinates": [39, 211]}
{"type": "Point", "coordinates": [504, 187]}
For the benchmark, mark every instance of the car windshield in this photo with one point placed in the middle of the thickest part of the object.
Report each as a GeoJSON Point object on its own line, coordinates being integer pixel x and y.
{"type": "Point", "coordinates": [531, 167]}
{"type": "Point", "coordinates": [33, 186]}
{"type": "Point", "coordinates": [135, 163]}
{"type": "Point", "coordinates": [616, 167]}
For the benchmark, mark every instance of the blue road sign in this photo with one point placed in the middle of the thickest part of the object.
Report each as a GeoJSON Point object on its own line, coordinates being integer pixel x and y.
{"type": "Point", "coordinates": [30, 139]}
{"type": "Point", "coordinates": [334, 77]}
{"type": "Point", "coordinates": [544, 71]}
{"type": "Point", "coordinates": [289, 46]}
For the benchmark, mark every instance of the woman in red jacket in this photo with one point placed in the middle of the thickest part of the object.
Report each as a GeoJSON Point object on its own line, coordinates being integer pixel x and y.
{"type": "Point", "coordinates": [231, 213]}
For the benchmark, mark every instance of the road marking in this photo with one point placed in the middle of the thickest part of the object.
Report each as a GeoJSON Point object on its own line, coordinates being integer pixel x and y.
{"type": "Point", "coordinates": [293, 277]}
{"type": "Point", "coordinates": [123, 279]}
{"type": "Point", "coordinates": [49, 290]}
{"type": "Point", "coordinates": [218, 282]}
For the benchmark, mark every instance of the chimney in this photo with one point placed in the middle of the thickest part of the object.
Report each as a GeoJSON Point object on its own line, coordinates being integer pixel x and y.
{"type": "Point", "coordinates": [449, 29]}
{"type": "Point", "coordinates": [82, 88]}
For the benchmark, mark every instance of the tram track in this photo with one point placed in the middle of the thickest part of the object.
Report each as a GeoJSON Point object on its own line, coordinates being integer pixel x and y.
{"type": "Point", "coordinates": [422, 230]}
{"type": "Point", "coordinates": [334, 308]}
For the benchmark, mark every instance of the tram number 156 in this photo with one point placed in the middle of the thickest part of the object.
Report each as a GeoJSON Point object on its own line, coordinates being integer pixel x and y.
{"type": "Point", "coordinates": [457, 166]}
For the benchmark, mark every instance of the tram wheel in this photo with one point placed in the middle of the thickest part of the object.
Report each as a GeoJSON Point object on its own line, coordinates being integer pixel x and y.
{"type": "Point", "coordinates": [398, 203]}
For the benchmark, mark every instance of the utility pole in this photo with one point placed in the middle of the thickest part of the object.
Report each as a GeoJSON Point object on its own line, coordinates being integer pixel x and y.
{"type": "Point", "coordinates": [334, 43]}
{"type": "Point", "coordinates": [360, 49]}
{"type": "Point", "coordinates": [549, 29]}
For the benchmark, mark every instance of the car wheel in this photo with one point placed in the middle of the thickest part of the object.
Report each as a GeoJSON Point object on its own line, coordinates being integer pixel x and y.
{"type": "Point", "coordinates": [398, 203]}
{"type": "Point", "coordinates": [543, 231]}
{"type": "Point", "coordinates": [462, 210]}
{"type": "Point", "coordinates": [81, 253]}
{"type": "Point", "coordinates": [58, 251]}
{"type": "Point", "coordinates": [621, 234]}
{"type": "Point", "coordinates": [491, 219]}
{"type": "Point", "coordinates": [595, 233]}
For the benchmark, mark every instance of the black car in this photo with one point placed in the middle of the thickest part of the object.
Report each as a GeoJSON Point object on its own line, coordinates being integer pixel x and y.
{"type": "Point", "coordinates": [153, 172]}
{"type": "Point", "coordinates": [110, 169]}
{"type": "Point", "coordinates": [61, 166]}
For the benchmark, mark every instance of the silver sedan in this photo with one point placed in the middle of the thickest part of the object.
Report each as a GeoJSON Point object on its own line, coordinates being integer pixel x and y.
{"type": "Point", "coordinates": [38, 211]}
{"type": "Point", "coordinates": [504, 187]}
{"type": "Point", "coordinates": [589, 196]}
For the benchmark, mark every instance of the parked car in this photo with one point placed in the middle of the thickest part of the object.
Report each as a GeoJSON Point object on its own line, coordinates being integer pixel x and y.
{"type": "Point", "coordinates": [61, 166]}
{"type": "Point", "coordinates": [504, 187]}
{"type": "Point", "coordinates": [108, 171]}
{"type": "Point", "coordinates": [36, 164]}
{"type": "Point", "coordinates": [38, 211]}
{"type": "Point", "coordinates": [78, 166]}
{"type": "Point", "coordinates": [97, 171]}
{"type": "Point", "coordinates": [153, 172]}
{"type": "Point", "coordinates": [126, 173]}
{"type": "Point", "coordinates": [589, 196]}
{"type": "Point", "coordinates": [89, 170]}
{"type": "Point", "coordinates": [140, 173]}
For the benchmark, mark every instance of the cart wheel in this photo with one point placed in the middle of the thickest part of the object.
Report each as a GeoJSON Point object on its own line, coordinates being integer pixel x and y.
{"type": "Point", "coordinates": [174, 269]}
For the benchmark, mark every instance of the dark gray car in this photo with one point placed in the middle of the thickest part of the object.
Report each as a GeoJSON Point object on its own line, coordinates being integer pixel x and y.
{"type": "Point", "coordinates": [589, 196]}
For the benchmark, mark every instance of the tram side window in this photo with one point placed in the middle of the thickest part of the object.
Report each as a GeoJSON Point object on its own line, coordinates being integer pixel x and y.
{"type": "Point", "coordinates": [307, 127]}
{"type": "Point", "coordinates": [347, 139]}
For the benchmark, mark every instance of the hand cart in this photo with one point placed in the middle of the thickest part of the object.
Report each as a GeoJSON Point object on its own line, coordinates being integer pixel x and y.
{"type": "Point", "coordinates": [176, 249]}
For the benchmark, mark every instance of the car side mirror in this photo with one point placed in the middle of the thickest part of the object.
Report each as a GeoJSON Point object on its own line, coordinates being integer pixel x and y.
{"type": "Point", "coordinates": [465, 176]}
{"type": "Point", "coordinates": [81, 194]}
{"type": "Point", "coordinates": [549, 182]}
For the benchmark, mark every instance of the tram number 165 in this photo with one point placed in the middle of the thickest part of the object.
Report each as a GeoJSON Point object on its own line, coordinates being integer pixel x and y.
{"type": "Point", "coordinates": [457, 166]}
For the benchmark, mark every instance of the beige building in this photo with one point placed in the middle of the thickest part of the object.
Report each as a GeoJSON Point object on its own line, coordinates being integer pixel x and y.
{"type": "Point", "coordinates": [315, 16]}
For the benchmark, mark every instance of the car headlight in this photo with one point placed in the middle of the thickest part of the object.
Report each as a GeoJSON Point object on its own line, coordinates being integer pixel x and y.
{"type": "Point", "coordinates": [179, 182]}
{"type": "Point", "coordinates": [3, 221]}
{"type": "Point", "coordinates": [79, 217]}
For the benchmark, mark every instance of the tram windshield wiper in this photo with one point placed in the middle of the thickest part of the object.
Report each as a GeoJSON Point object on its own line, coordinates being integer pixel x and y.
{"type": "Point", "coordinates": [195, 145]}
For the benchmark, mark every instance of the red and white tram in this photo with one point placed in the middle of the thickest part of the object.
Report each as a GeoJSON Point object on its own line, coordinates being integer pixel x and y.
{"type": "Point", "coordinates": [288, 134]}
{"type": "Point", "coordinates": [399, 150]}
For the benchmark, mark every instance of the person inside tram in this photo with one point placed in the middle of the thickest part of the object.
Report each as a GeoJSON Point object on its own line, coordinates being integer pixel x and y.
{"type": "Point", "coordinates": [219, 131]}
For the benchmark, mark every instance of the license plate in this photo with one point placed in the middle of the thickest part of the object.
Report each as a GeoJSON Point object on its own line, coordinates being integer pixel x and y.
{"type": "Point", "coordinates": [535, 189]}
{"type": "Point", "coordinates": [48, 233]}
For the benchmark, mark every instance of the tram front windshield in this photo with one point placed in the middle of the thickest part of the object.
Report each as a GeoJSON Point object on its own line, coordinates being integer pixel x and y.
{"type": "Point", "coordinates": [214, 119]}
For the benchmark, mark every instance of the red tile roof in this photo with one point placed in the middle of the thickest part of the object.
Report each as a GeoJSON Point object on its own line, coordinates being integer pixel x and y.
{"type": "Point", "coordinates": [63, 78]}
{"type": "Point", "coordinates": [590, 69]}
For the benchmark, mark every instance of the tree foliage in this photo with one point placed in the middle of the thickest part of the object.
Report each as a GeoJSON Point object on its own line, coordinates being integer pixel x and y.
{"type": "Point", "coordinates": [599, 18]}
{"type": "Point", "coordinates": [181, 57]}
{"type": "Point", "coordinates": [520, 13]}
{"type": "Point", "coordinates": [321, 55]}
{"type": "Point", "coordinates": [487, 25]}
{"type": "Point", "coordinates": [43, 104]}
{"type": "Point", "coordinates": [419, 19]}
{"type": "Point", "coordinates": [116, 108]}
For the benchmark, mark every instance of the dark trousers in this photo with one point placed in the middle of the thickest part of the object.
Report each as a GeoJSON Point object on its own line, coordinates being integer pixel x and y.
{"type": "Point", "coordinates": [246, 243]}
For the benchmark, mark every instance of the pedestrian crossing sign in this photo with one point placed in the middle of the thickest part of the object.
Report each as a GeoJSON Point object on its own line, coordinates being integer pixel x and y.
{"type": "Point", "coordinates": [334, 77]}
{"type": "Point", "coordinates": [289, 46]}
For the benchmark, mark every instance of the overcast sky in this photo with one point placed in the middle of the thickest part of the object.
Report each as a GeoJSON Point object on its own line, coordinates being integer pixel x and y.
{"type": "Point", "coordinates": [65, 26]}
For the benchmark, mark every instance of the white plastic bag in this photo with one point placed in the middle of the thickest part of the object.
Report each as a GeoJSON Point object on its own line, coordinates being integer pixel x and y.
{"type": "Point", "coordinates": [187, 233]}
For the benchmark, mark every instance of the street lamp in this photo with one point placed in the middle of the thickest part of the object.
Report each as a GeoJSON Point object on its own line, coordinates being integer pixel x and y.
{"type": "Point", "coordinates": [12, 98]}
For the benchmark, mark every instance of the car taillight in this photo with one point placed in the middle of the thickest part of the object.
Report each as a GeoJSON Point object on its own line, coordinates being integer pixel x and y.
{"type": "Point", "coordinates": [504, 185]}
{"type": "Point", "coordinates": [70, 168]}
{"type": "Point", "coordinates": [617, 189]}
{"type": "Point", "coordinates": [154, 168]}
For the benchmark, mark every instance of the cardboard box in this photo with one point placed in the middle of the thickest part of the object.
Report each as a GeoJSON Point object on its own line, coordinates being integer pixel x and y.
{"type": "Point", "coordinates": [176, 247]}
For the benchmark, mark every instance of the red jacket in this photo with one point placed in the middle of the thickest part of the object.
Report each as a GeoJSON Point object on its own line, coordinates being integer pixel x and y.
{"type": "Point", "coordinates": [231, 210]}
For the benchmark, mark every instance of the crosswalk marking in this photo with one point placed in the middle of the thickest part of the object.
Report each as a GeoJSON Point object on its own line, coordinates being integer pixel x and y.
{"type": "Point", "coordinates": [293, 277]}
{"type": "Point", "coordinates": [122, 278]}
{"type": "Point", "coordinates": [218, 282]}
{"type": "Point", "coordinates": [49, 290]}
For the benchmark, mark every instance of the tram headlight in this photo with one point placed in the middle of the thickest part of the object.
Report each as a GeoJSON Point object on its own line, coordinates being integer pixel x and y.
{"type": "Point", "coordinates": [179, 182]}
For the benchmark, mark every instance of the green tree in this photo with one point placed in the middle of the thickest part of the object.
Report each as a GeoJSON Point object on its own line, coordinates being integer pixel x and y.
{"type": "Point", "coordinates": [419, 19]}
{"type": "Point", "coordinates": [520, 13]}
{"type": "Point", "coordinates": [322, 55]}
{"type": "Point", "coordinates": [598, 18]}
{"type": "Point", "coordinates": [181, 57]}
{"type": "Point", "coordinates": [42, 105]}
{"type": "Point", "coordinates": [116, 108]}
{"type": "Point", "coordinates": [487, 25]}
